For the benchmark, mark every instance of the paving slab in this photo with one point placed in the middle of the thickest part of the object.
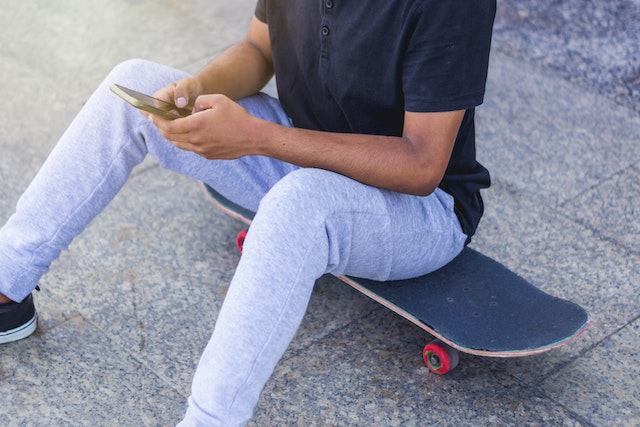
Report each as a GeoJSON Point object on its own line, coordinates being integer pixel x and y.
{"type": "Point", "coordinates": [85, 39]}
{"type": "Point", "coordinates": [603, 384]}
{"type": "Point", "coordinates": [549, 138]}
{"type": "Point", "coordinates": [74, 376]}
{"type": "Point", "coordinates": [594, 44]}
{"type": "Point", "coordinates": [612, 209]}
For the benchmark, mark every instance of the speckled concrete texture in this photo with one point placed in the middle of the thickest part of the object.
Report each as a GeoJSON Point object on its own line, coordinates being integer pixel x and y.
{"type": "Point", "coordinates": [592, 43]}
{"type": "Point", "coordinates": [127, 310]}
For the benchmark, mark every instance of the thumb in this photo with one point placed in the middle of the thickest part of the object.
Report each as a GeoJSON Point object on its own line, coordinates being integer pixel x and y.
{"type": "Point", "coordinates": [183, 92]}
{"type": "Point", "coordinates": [181, 99]}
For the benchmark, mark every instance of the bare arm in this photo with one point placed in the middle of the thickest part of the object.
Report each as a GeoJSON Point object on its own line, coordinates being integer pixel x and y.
{"type": "Point", "coordinates": [413, 164]}
{"type": "Point", "coordinates": [220, 129]}
{"type": "Point", "coordinates": [240, 71]}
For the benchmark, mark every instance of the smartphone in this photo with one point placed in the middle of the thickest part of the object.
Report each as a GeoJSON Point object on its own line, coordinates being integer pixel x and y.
{"type": "Point", "coordinates": [150, 104]}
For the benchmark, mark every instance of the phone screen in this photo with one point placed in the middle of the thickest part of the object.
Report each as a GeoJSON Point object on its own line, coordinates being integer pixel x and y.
{"type": "Point", "coordinates": [149, 103]}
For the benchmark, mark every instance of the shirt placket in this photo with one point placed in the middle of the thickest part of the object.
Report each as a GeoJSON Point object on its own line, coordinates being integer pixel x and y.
{"type": "Point", "coordinates": [328, 7]}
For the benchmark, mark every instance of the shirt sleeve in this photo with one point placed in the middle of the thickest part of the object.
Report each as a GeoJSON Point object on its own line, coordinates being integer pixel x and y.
{"type": "Point", "coordinates": [447, 56]}
{"type": "Point", "coordinates": [261, 11]}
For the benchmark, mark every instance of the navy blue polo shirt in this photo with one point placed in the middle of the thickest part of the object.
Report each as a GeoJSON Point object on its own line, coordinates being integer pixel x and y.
{"type": "Point", "coordinates": [356, 66]}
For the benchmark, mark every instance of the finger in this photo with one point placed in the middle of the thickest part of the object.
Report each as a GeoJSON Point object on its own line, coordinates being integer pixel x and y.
{"type": "Point", "coordinates": [207, 102]}
{"type": "Point", "coordinates": [184, 92]}
{"type": "Point", "coordinates": [176, 140]}
{"type": "Point", "coordinates": [165, 93]}
{"type": "Point", "coordinates": [173, 130]}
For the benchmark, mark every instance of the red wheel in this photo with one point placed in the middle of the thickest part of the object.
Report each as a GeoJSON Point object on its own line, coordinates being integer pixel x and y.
{"type": "Point", "coordinates": [439, 357]}
{"type": "Point", "coordinates": [240, 239]}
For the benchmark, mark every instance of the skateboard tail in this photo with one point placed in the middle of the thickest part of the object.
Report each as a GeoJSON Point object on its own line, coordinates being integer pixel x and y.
{"type": "Point", "coordinates": [519, 353]}
{"type": "Point", "coordinates": [566, 337]}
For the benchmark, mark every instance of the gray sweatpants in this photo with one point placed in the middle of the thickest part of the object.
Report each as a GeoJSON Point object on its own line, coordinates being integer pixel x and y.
{"type": "Point", "coordinates": [309, 222]}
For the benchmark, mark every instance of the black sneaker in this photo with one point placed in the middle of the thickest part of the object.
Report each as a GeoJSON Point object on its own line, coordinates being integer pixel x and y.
{"type": "Point", "coordinates": [18, 320]}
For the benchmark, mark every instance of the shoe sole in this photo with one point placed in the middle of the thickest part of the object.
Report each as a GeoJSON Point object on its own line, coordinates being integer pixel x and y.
{"type": "Point", "coordinates": [20, 332]}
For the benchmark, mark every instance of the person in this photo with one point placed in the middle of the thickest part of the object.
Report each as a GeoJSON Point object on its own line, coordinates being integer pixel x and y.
{"type": "Point", "coordinates": [365, 165]}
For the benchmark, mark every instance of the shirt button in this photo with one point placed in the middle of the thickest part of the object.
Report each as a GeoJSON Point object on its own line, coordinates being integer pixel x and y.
{"type": "Point", "coordinates": [329, 4]}
{"type": "Point", "coordinates": [325, 30]}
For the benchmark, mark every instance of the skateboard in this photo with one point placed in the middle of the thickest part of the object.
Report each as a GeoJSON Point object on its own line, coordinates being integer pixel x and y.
{"type": "Point", "coordinates": [473, 305]}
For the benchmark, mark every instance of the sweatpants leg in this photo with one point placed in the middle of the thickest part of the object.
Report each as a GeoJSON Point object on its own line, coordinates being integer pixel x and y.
{"type": "Point", "coordinates": [310, 223]}
{"type": "Point", "coordinates": [93, 160]}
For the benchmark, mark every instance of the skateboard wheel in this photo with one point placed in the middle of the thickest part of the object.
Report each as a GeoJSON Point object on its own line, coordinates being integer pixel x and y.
{"type": "Point", "coordinates": [240, 239]}
{"type": "Point", "coordinates": [439, 357]}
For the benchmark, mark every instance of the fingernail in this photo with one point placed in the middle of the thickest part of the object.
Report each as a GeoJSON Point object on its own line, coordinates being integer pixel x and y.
{"type": "Point", "coordinates": [181, 102]}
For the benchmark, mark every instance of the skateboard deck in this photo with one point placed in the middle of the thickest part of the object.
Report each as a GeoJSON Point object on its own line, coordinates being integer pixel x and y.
{"type": "Point", "coordinates": [474, 304]}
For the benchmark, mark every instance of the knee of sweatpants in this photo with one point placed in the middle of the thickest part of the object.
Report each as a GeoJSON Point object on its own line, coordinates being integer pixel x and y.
{"type": "Point", "coordinates": [133, 73]}
{"type": "Point", "coordinates": [307, 209]}
{"type": "Point", "coordinates": [304, 193]}
{"type": "Point", "coordinates": [292, 213]}
{"type": "Point", "coordinates": [289, 227]}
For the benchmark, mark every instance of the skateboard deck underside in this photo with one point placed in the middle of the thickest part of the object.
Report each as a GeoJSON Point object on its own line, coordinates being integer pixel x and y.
{"type": "Point", "coordinates": [474, 303]}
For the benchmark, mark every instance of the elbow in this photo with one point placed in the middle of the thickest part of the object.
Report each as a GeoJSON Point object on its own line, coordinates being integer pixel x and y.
{"type": "Point", "coordinates": [423, 185]}
{"type": "Point", "coordinates": [425, 169]}
{"type": "Point", "coordinates": [424, 190]}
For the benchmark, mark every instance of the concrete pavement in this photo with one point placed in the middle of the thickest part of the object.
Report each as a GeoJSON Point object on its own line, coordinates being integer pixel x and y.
{"type": "Point", "coordinates": [126, 312]}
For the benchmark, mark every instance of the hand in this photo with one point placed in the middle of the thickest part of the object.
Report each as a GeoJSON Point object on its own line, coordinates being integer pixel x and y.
{"type": "Point", "coordinates": [182, 93]}
{"type": "Point", "coordinates": [219, 128]}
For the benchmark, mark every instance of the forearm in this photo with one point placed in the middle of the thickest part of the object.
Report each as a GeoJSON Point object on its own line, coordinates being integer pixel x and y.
{"type": "Point", "coordinates": [240, 71]}
{"type": "Point", "coordinates": [392, 163]}
{"type": "Point", "coordinates": [414, 163]}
